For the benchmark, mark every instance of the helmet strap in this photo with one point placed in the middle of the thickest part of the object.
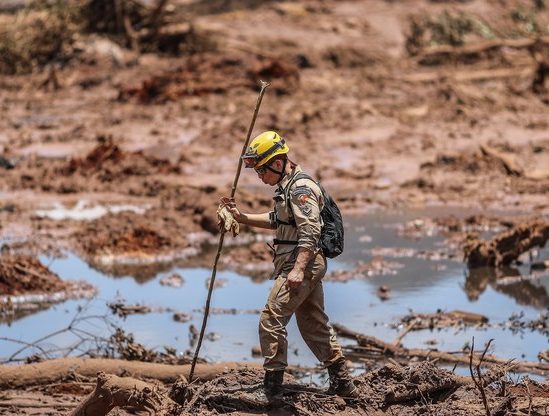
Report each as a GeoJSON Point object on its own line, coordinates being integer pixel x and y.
{"type": "Point", "coordinates": [282, 172]}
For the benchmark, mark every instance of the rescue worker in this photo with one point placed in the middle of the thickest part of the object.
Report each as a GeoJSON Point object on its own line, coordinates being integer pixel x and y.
{"type": "Point", "coordinates": [299, 265]}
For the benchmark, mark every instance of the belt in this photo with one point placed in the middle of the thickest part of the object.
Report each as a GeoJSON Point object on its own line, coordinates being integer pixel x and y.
{"type": "Point", "coordinates": [277, 242]}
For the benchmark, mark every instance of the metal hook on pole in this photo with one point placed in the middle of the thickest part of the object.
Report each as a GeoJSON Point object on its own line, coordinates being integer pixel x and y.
{"type": "Point", "coordinates": [264, 86]}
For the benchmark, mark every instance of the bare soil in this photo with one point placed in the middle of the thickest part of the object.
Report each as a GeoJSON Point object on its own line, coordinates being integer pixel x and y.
{"type": "Point", "coordinates": [390, 104]}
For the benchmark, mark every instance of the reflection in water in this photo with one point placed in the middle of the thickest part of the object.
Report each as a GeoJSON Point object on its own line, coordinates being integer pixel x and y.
{"type": "Point", "coordinates": [523, 291]}
{"type": "Point", "coordinates": [142, 273]}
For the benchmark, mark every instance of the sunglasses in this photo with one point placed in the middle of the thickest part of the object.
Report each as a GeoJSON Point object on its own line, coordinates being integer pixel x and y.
{"type": "Point", "coordinates": [261, 170]}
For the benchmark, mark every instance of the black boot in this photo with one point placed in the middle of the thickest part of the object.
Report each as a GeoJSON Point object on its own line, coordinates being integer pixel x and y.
{"type": "Point", "coordinates": [341, 382]}
{"type": "Point", "coordinates": [272, 382]}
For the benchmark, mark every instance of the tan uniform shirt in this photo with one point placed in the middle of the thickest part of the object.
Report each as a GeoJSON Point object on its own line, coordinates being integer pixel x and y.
{"type": "Point", "coordinates": [303, 204]}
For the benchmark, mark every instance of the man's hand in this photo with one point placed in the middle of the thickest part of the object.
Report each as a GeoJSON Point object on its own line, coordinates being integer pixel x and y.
{"type": "Point", "coordinates": [230, 204]}
{"type": "Point", "coordinates": [225, 218]}
{"type": "Point", "coordinates": [295, 278]}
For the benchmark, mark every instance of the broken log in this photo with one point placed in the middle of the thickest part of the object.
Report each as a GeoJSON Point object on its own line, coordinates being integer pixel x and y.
{"type": "Point", "coordinates": [375, 345]}
{"type": "Point", "coordinates": [125, 392]}
{"type": "Point", "coordinates": [506, 247]}
{"type": "Point", "coordinates": [367, 341]}
{"type": "Point", "coordinates": [53, 371]}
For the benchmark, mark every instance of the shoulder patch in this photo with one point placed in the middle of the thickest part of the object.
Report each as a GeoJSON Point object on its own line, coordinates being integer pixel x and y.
{"type": "Point", "coordinates": [301, 195]}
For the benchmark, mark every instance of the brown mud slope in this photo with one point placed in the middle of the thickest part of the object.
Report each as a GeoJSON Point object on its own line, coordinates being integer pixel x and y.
{"type": "Point", "coordinates": [26, 285]}
{"type": "Point", "coordinates": [390, 103]}
{"type": "Point", "coordinates": [20, 275]}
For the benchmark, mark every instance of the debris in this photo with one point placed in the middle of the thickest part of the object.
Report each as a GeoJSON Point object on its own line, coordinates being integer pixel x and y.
{"type": "Point", "coordinates": [369, 346]}
{"type": "Point", "coordinates": [112, 391]}
{"type": "Point", "coordinates": [204, 74]}
{"type": "Point", "coordinates": [123, 310]}
{"type": "Point", "coordinates": [173, 280]}
{"type": "Point", "coordinates": [182, 317]}
{"type": "Point", "coordinates": [444, 320]}
{"type": "Point", "coordinates": [506, 247]}
{"type": "Point", "coordinates": [383, 292]}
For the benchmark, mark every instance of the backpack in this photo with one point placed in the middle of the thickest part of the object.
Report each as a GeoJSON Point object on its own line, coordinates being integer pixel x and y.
{"type": "Point", "coordinates": [331, 235]}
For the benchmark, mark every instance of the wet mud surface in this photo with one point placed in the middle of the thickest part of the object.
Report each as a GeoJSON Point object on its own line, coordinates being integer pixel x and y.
{"type": "Point", "coordinates": [117, 141]}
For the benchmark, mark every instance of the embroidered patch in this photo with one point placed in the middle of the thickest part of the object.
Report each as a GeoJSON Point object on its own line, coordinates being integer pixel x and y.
{"type": "Point", "coordinates": [301, 194]}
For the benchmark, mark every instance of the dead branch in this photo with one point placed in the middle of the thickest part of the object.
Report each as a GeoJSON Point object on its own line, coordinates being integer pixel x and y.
{"type": "Point", "coordinates": [529, 397]}
{"type": "Point", "coordinates": [53, 371]}
{"type": "Point", "coordinates": [367, 341]}
{"type": "Point", "coordinates": [478, 380]}
{"type": "Point", "coordinates": [368, 346]}
{"type": "Point", "coordinates": [112, 391]}
{"type": "Point", "coordinates": [400, 336]}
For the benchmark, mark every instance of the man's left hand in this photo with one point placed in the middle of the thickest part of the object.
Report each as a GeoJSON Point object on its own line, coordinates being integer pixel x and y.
{"type": "Point", "coordinates": [295, 278]}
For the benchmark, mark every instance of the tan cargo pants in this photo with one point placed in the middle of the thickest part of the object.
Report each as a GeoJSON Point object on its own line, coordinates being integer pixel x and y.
{"type": "Point", "coordinates": [307, 302]}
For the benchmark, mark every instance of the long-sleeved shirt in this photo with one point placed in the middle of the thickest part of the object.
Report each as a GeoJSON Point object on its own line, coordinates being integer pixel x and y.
{"type": "Point", "coordinates": [297, 215]}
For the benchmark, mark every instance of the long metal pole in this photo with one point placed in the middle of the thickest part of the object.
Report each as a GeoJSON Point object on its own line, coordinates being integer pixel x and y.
{"type": "Point", "coordinates": [264, 86]}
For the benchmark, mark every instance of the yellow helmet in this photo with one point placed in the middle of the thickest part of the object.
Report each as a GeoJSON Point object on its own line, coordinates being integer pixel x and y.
{"type": "Point", "coordinates": [263, 148]}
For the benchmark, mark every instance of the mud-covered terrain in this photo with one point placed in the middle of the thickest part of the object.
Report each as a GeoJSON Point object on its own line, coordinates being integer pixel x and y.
{"type": "Point", "coordinates": [121, 123]}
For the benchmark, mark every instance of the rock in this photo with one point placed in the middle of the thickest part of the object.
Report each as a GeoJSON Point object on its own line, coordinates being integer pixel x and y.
{"type": "Point", "coordinates": [181, 317]}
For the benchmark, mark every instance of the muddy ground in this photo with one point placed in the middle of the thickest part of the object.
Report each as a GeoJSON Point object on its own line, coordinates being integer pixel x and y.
{"type": "Point", "coordinates": [390, 104]}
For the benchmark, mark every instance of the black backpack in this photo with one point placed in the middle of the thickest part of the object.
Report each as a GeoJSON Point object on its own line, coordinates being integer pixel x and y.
{"type": "Point", "coordinates": [331, 236]}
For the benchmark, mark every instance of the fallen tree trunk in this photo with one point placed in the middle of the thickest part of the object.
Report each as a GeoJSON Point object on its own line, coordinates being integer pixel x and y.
{"type": "Point", "coordinates": [126, 392]}
{"type": "Point", "coordinates": [52, 371]}
{"type": "Point", "coordinates": [373, 345]}
{"type": "Point", "coordinates": [508, 246]}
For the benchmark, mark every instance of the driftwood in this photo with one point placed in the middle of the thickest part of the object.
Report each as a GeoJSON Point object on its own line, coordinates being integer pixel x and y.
{"type": "Point", "coordinates": [126, 392]}
{"type": "Point", "coordinates": [368, 345]}
{"type": "Point", "coordinates": [47, 372]}
{"type": "Point", "coordinates": [507, 246]}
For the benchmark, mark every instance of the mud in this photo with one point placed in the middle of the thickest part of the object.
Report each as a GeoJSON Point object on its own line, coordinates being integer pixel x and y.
{"type": "Point", "coordinates": [27, 275]}
{"type": "Point", "coordinates": [440, 103]}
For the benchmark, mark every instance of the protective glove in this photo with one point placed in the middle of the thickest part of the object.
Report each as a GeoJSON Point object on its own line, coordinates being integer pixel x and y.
{"type": "Point", "coordinates": [226, 221]}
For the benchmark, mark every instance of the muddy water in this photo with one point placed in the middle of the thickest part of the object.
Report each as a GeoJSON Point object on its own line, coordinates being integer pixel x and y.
{"type": "Point", "coordinates": [419, 285]}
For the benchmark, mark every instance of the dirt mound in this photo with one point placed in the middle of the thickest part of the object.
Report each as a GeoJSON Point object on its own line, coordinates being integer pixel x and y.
{"type": "Point", "coordinates": [410, 390]}
{"type": "Point", "coordinates": [108, 162]}
{"type": "Point", "coordinates": [128, 233]}
{"type": "Point", "coordinates": [211, 74]}
{"type": "Point", "coordinates": [22, 275]}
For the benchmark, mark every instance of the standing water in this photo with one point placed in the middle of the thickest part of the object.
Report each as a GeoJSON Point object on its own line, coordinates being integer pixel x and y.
{"type": "Point", "coordinates": [415, 284]}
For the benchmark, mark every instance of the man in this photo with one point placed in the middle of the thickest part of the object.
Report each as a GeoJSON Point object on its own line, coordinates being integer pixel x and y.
{"type": "Point", "coordinates": [299, 265]}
